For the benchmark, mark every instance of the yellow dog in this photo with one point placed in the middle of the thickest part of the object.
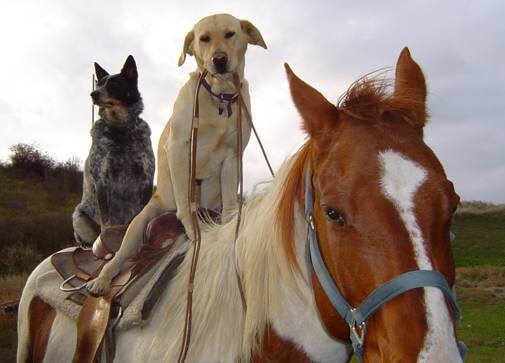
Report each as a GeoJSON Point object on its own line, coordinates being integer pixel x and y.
{"type": "Point", "coordinates": [218, 43]}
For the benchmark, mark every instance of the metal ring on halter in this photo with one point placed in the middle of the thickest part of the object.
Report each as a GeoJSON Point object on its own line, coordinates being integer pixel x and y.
{"type": "Point", "coordinates": [71, 289]}
{"type": "Point", "coordinates": [360, 337]}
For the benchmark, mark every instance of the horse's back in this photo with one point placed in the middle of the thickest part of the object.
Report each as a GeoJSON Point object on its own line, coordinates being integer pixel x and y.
{"type": "Point", "coordinates": [30, 306]}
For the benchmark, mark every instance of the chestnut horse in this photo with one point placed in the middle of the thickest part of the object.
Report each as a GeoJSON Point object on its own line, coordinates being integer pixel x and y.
{"type": "Point", "coordinates": [379, 206]}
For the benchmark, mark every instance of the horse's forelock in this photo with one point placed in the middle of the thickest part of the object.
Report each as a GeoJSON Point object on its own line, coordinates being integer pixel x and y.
{"type": "Point", "coordinates": [371, 96]}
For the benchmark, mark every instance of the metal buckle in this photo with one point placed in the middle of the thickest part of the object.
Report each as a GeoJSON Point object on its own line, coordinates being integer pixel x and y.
{"type": "Point", "coordinates": [360, 337]}
{"type": "Point", "coordinates": [71, 289]}
{"type": "Point", "coordinates": [311, 222]}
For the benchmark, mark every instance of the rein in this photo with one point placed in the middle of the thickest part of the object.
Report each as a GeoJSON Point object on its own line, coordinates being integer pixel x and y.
{"type": "Point", "coordinates": [356, 318]}
{"type": "Point", "coordinates": [230, 98]}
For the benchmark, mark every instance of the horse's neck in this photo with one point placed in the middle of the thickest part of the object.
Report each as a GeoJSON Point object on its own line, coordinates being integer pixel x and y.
{"type": "Point", "coordinates": [279, 294]}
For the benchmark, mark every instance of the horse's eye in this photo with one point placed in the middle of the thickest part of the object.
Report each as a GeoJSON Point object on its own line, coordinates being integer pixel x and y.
{"type": "Point", "coordinates": [336, 216]}
{"type": "Point", "coordinates": [228, 35]}
{"type": "Point", "coordinates": [204, 38]}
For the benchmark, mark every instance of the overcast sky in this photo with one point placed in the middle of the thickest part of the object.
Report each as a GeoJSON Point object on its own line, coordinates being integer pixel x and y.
{"type": "Point", "coordinates": [48, 50]}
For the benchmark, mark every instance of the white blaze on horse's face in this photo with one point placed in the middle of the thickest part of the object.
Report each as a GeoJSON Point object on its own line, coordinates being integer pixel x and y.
{"type": "Point", "coordinates": [400, 180]}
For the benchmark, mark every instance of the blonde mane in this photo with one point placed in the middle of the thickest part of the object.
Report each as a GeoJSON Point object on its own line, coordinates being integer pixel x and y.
{"type": "Point", "coordinates": [265, 263]}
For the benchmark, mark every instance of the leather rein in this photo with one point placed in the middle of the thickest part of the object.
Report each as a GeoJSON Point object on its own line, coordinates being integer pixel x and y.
{"type": "Point", "coordinates": [357, 317]}
{"type": "Point", "coordinates": [192, 190]}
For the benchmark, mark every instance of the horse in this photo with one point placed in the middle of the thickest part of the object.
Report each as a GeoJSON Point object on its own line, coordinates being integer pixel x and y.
{"type": "Point", "coordinates": [380, 206]}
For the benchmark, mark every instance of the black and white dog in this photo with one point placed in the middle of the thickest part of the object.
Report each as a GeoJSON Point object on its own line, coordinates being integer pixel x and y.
{"type": "Point", "coordinates": [119, 170]}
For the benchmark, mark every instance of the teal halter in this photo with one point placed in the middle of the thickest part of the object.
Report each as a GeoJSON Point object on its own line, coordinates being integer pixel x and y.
{"type": "Point", "coordinates": [357, 318]}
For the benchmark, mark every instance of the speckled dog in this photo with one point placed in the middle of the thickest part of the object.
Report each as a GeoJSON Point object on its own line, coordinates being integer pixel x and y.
{"type": "Point", "coordinates": [119, 170]}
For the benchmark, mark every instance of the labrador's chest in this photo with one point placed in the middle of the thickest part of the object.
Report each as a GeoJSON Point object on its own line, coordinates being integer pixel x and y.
{"type": "Point", "coordinates": [217, 138]}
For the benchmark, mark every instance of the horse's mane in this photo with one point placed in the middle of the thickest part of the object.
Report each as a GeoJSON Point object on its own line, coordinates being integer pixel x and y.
{"type": "Point", "coordinates": [372, 96]}
{"type": "Point", "coordinates": [291, 194]}
{"type": "Point", "coordinates": [261, 256]}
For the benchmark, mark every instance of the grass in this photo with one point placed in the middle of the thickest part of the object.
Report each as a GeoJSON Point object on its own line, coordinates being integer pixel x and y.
{"type": "Point", "coordinates": [480, 239]}
{"type": "Point", "coordinates": [483, 330]}
{"type": "Point", "coordinates": [11, 286]}
{"type": "Point", "coordinates": [8, 337]}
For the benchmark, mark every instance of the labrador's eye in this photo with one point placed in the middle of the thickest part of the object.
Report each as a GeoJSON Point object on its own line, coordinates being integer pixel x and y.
{"type": "Point", "coordinates": [204, 38]}
{"type": "Point", "coordinates": [229, 35]}
{"type": "Point", "coordinates": [336, 216]}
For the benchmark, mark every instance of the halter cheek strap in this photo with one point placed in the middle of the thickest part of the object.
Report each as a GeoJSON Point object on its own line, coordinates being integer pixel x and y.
{"type": "Point", "coordinates": [357, 318]}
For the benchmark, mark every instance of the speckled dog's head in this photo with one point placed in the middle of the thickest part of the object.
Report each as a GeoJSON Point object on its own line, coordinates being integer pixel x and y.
{"type": "Point", "coordinates": [117, 95]}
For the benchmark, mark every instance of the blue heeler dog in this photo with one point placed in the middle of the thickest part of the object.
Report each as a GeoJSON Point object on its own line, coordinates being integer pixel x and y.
{"type": "Point", "coordinates": [119, 170]}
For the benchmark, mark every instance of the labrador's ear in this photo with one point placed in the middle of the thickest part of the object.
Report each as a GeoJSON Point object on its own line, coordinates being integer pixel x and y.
{"type": "Point", "coordinates": [253, 33]}
{"type": "Point", "coordinates": [187, 48]}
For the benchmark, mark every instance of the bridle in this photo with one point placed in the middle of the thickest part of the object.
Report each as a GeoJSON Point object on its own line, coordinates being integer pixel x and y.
{"type": "Point", "coordinates": [357, 317]}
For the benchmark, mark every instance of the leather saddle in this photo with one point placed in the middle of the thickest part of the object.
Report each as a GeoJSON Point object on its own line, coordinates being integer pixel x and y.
{"type": "Point", "coordinates": [82, 264]}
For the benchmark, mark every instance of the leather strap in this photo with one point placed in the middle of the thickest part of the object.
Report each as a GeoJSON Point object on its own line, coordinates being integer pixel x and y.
{"type": "Point", "coordinates": [91, 326]}
{"type": "Point", "coordinates": [93, 319]}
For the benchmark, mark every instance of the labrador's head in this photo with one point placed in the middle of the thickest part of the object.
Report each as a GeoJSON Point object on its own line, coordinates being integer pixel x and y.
{"type": "Point", "coordinates": [219, 42]}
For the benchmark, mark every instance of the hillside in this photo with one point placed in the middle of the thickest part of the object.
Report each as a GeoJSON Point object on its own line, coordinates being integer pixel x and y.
{"type": "Point", "coordinates": [37, 198]}
{"type": "Point", "coordinates": [480, 236]}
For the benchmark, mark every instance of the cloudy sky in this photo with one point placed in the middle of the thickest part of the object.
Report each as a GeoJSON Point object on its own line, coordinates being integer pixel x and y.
{"type": "Point", "coordinates": [48, 49]}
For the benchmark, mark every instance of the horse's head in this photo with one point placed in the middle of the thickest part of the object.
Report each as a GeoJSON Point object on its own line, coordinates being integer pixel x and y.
{"type": "Point", "coordinates": [382, 207]}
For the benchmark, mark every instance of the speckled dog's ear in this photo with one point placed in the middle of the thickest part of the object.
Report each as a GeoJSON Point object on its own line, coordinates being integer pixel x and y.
{"type": "Point", "coordinates": [100, 72]}
{"type": "Point", "coordinates": [130, 69]}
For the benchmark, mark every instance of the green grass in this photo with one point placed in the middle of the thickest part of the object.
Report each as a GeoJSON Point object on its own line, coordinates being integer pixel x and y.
{"type": "Point", "coordinates": [480, 239]}
{"type": "Point", "coordinates": [483, 331]}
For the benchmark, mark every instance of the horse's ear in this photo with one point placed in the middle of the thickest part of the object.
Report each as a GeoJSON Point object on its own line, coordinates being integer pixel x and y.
{"type": "Point", "coordinates": [319, 115]}
{"type": "Point", "coordinates": [410, 87]}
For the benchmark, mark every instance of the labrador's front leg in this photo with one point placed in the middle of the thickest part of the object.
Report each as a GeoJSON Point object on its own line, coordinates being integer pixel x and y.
{"type": "Point", "coordinates": [229, 185]}
{"type": "Point", "coordinates": [178, 163]}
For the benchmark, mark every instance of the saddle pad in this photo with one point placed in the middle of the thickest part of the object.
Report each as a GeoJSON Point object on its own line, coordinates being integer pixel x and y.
{"type": "Point", "coordinates": [132, 299]}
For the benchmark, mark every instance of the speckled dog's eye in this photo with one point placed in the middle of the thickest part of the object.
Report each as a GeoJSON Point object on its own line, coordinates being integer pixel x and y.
{"type": "Point", "coordinates": [205, 38]}
{"type": "Point", "coordinates": [228, 35]}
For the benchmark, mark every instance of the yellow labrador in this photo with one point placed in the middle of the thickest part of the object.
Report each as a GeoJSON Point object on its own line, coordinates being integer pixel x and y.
{"type": "Point", "coordinates": [218, 43]}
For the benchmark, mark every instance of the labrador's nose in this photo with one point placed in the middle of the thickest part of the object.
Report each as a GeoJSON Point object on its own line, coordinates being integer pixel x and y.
{"type": "Point", "coordinates": [220, 61]}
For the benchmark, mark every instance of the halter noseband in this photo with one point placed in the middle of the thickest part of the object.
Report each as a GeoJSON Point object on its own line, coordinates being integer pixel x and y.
{"type": "Point", "coordinates": [357, 317]}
